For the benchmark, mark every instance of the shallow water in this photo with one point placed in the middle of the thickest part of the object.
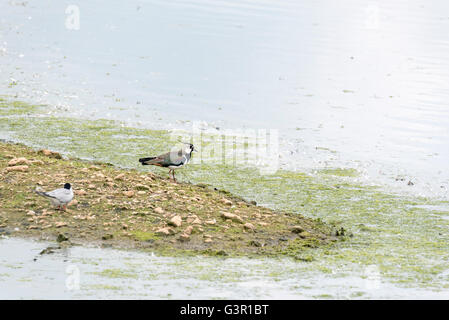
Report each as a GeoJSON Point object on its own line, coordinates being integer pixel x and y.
{"type": "Point", "coordinates": [93, 273]}
{"type": "Point", "coordinates": [356, 85]}
{"type": "Point", "coordinates": [364, 79]}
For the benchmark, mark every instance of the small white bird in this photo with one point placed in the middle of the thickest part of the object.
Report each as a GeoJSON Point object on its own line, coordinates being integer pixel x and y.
{"type": "Point", "coordinates": [59, 197]}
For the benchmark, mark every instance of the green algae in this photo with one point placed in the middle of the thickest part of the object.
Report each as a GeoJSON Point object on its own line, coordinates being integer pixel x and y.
{"type": "Point", "coordinates": [399, 234]}
{"type": "Point", "coordinates": [116, 273]}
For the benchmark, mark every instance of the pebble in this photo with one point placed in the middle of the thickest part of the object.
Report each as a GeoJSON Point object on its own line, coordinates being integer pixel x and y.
{"type": "Point", "coordinates": [232, 216]}
{"type": "Point", "coordinates": [17, 168]}
{"type": "Point", "coordinates": [248, 226]}
{"type": "Point", "coordinates": [165, 231]}
{"type": "Point", "coordinates": [129, 194]}
{"type": "Point", "coordinates": [17, 161]}
{"type": "Point", "coordinates": [80, 192]}
{"type": "Point", "coordinates": [176, 221]}
{"type": "Point", "coordinates": [159, 210]}
{"type": "Point", "coordinates": [226, 202]}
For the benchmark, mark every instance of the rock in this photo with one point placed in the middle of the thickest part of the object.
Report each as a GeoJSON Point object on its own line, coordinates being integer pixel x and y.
{"type": "Point", "coordinates": [176, 221]}
{"type": "Point", "coordinates": [188, 230]}
{"type": "Point", "coordinates": [184, 237]}
{"type": "Point", "coordinates": [197, 221]}
{"type": "Point", "coordinates": [140, 193]}
{"type": "Point", "coordinates": [51, 154]}
{"type": "Point", "coordinates": [60, 224]}
{"type": "Point", "coordinates": [17, 161]}
{"type": "Point", "coordinates": [231, 216]}
{"type": "Point", "coordinates": [159, 210]}
{"type": "Point", "coordinates": [226, 202]}
{"type": "Point", "coordinates": [191, 218]}
{"type": "Point", "coordinates": [91, 186]}
{"type": "Point", "coordinates": [165, 231]}
{"type": "Point", "coordinates": [297, 229]}
{"type": "Point", "coordinates": [80, 192]}
{"type": "Point", "coordinates": [211, 222]}
{"type": "Point", "coordinates": [95, 168]}
{"type": "Point", "coordinates": [129, 194]}
{"type": "Point", "coordinates": [248, 226]}
{"type": "Point", "coordinates": [208, 240]}
{"type": "Point", "coordinates": [263, 224]}
{"type": "Point", "coordinates": [31, 213]}
{"type": "Point", "coordinates": [120, 177]}
{"type": "Point", "coordinates": [17, 168]}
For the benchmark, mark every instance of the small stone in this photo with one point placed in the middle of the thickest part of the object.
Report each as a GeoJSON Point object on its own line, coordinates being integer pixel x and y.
{"type": "Point", "coordinates": [184, 237]}
{"type": "Point", "coordinates": [231, 216]}
{"type": "Point", "coordinates": [60, 224]}
{"type": "Point", "coordinates": [129, 194]}
{"type": "Point", "coordinates": [31, 213]}
{"type": "Point", "coordinates": [176, 221]}
{"type": "Point", "coordinates": [159, 210]}
{"type": "Point", "coordinates": [208, 240]}
{"type": "Point", "coordinates": [197, 221]}
{"type": "Point", "coordinates": [17, 168]}
{"type": "Point", "coordinates": [165, 231]}
{"type": "Point", "coordinates": [211, 222]}
{"type": "Point", "coordinates": [120, 177]}
{"type": "Point", "coordinates": [17, 161]}
{"type": "Point", "coordinates": [188, 230]}
{"type": "Point", "coordinates": [95, 168]}
{"type": "Point", "coordinates": [91, 186]}
{"type": "Point", "coordinates": [248, 226]}
{"type": "Point", "coordinates": [226, 202]}
{"type": "Point", "coordinates": [80, 192]}
{"type": "Point", "coordinates": [140, 193]}
{"type": "Point", "coordinates": [263, 224]}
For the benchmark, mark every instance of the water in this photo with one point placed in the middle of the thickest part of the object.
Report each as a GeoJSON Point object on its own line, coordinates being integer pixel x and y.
{"type": "Point", "coordinates": [93, 273]}
{"type": "Point", "coordinates": [358, 84]}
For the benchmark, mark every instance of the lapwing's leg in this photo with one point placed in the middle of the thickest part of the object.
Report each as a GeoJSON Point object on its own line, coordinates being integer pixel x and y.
{"type": "Point", "coordinates": [169, 171]}
{"type": "Point", "coordinates": [64, 207]}
{"type": "Point", "coordinates": [174, 175]}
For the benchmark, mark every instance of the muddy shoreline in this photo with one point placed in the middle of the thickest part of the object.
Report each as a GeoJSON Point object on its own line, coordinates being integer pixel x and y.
{"type": "Point", "coordinates": [128, 209]}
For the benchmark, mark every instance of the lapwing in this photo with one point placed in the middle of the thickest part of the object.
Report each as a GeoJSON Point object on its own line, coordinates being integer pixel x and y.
{"type": "Point", "coordinates": [172, 160]}
{"type": "Point", "coordinates": [59, 197]}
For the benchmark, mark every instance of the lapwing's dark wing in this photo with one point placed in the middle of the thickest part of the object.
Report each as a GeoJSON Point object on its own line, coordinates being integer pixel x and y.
{"type": "Point", "coordinates": [174, 158]}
